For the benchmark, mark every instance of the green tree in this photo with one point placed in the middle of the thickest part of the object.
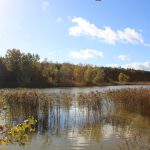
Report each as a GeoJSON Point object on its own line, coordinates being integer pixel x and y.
{"type": "Point", "coordinates": [3, 72]}
{"type": "Point", "coordinates": [13, 64]}
{"type": "Point", "coordinates": [22, 67]}
{"type": "Point", "coordinates": [28, 68]}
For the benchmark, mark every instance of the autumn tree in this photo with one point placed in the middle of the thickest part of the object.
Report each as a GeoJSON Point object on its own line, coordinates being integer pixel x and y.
{"type": "Point", "coordinates": [20, 69]}
{"type": "Point", "coordinates": [78, 74]}
{"type": "Point", "coordinates": [89, 75]}
{"type": "Point", "coordinates": [100, 76]}
{"type": "Point", "coordinates": [66, 73]}
{"type": "Point", "coordinates": [123, 77]}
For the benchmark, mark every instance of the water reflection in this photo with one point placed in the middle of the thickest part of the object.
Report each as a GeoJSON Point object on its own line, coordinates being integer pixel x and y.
{"type": "Point", "coordinates": [79, 121]}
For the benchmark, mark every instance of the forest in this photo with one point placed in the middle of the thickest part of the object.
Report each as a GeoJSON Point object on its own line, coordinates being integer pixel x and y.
{"type": "Point", "coordinates": [18, 69]}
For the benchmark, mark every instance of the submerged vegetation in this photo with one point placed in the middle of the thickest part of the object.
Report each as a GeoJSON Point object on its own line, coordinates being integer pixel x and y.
{"type": "Point", "coordinates": [18, 69]}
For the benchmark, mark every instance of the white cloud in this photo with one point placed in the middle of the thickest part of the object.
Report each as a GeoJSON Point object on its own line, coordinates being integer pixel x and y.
{"type": "Point", "coordinates": [113, 65]}
{"type": "Point", "coordinates": [86, 54]}
{"type": "Point", "coordinates": [85, 28]}
{"type": "Point", "coordinates": [123, 57]}
{"type": "Point", "coordinates": [45, 5]}
{"type": "Point", "coordinates": [139, 66]}
{"type": "Point", "coordinates": [59, 19]}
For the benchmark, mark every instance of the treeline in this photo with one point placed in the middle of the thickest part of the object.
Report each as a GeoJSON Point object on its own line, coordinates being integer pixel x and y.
{"type": "Point", "coordinates": [18, 69]}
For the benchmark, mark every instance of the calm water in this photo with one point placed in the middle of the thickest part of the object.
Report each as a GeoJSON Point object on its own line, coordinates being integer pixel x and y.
{"type": "Point", "coordinates": [66, 124]}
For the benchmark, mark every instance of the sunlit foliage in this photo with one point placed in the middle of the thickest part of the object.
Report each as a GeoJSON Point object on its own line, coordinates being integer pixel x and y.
{"type": "Point", "coordinates": [19, 133]}
{"type": "Point", "coordinates": [123, 77]}
{"type": "Point", "coordinates": [14, 134]}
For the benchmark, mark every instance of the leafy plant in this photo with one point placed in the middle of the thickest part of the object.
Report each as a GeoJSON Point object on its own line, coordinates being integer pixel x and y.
{"type": "Point", "coordinates": [19, 133]}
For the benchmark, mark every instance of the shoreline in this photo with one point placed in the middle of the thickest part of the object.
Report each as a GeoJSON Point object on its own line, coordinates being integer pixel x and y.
{"type": "Point", "coordinates": [80, 85]}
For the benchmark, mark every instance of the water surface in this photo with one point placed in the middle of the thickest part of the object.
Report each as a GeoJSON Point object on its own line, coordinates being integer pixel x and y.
{"type": "Point", "coordinates": [65, 123]}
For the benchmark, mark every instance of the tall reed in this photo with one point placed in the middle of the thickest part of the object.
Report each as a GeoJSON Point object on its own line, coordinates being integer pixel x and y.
{"type": "Point", "coordinates": [132, 99]}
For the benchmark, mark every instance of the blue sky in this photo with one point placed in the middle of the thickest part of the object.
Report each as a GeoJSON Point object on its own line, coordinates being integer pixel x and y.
{"type": "Point", "coordinates": [106, 33]}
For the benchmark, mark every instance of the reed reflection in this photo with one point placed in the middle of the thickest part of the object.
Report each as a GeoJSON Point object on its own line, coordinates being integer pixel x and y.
{"type": "Point", "coordinates": [94, 116]}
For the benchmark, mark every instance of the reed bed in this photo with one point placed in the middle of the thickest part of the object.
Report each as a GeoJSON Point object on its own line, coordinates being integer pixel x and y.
{"type": "Point", "coordinates": [34, 98]}
{"type": "Point", "coordinates": [91, 100]}
{"type": "Point", "coordinates": [24, 97]}
{"type": "Point", "coordinates": [132, 99]}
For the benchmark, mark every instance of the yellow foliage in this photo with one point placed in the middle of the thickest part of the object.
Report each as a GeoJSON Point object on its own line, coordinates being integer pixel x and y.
{"type": "Point", "coordinates": [19, 134]}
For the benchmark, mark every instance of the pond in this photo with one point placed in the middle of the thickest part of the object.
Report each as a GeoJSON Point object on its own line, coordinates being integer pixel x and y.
{"type": "Point", "coordinates": [76, 119]}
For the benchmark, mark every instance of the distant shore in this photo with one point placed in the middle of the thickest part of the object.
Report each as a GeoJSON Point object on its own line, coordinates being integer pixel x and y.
{"type": "Point", "coordinates": [19, 69]}
{"type": "Point", "coordinates": [132, 83]}
{"type": "Point", "coordinates": [82, 85]}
